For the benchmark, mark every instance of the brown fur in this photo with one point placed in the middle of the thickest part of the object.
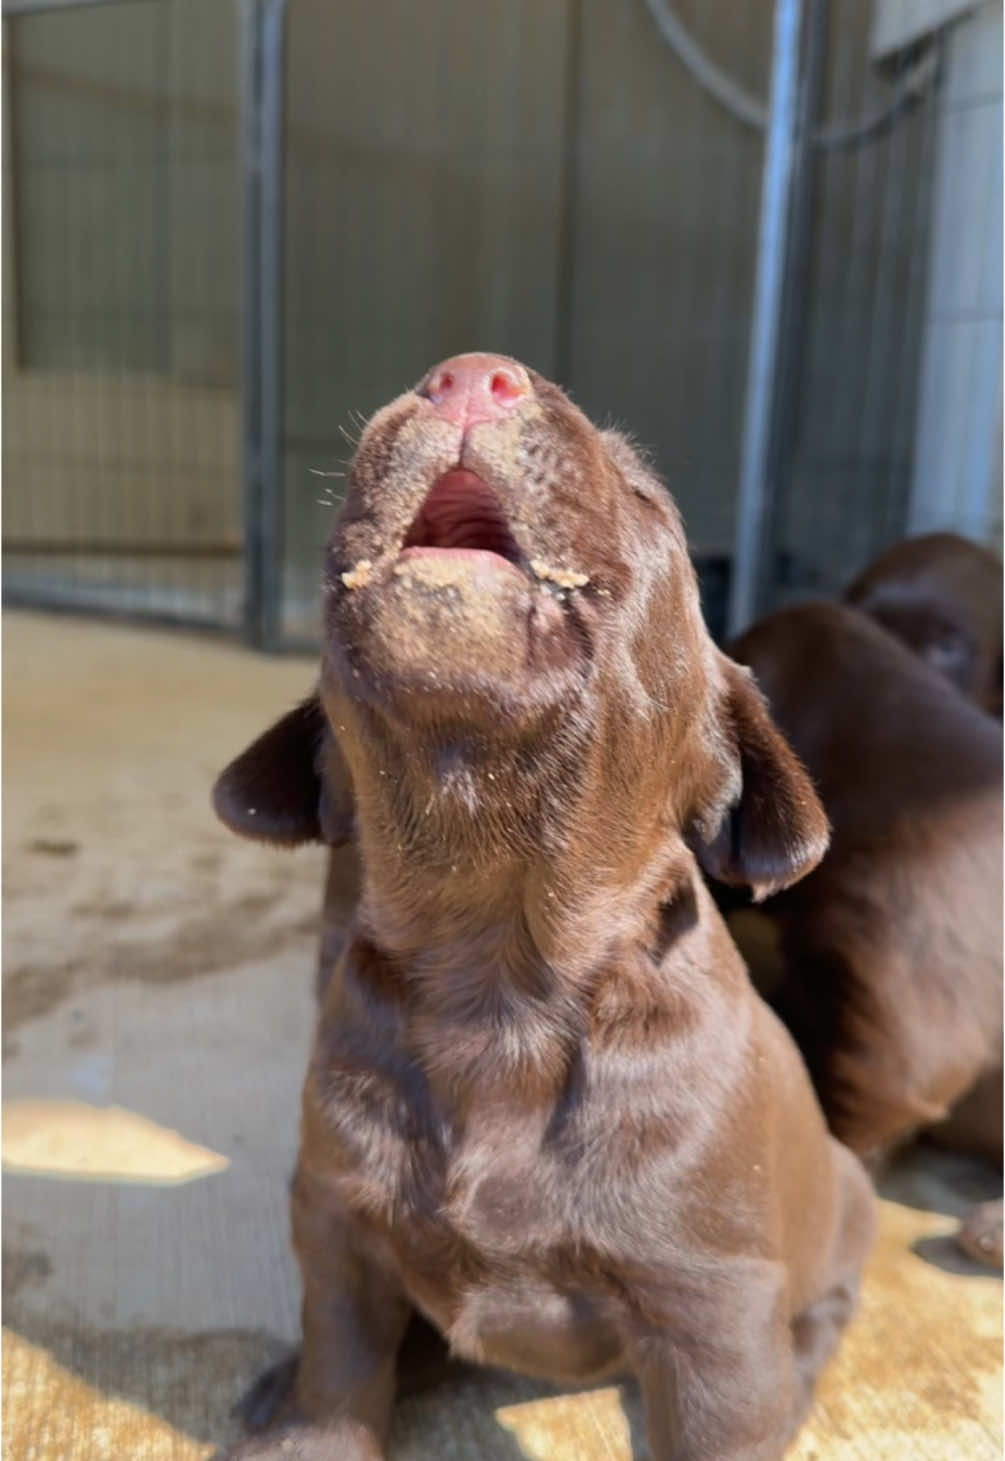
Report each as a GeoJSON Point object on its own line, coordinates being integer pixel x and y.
{"type": "Point", "coordinates": [545, 1107]}
{"type": "Point", "coordinates": [891, 951]}
{"type": "Point", "coordinates": [941, 595]}
{"type": "Point", "coordinates": [343, 885]}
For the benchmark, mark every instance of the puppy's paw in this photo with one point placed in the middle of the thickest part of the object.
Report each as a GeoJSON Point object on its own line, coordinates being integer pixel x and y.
{"type": "Point", "coordinates": [270, 1397]}
{"type": "Point", "coordinates": [980, 1236]}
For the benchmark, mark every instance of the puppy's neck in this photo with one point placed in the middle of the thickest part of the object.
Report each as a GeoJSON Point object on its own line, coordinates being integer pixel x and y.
{"type": "Point", "coordinates": [478, 860]}
{"type": "Point", "coordinates": [502, 998]}
{"type": "Point", "coordinates": [508, 896]}
{"type": "Point", "coordinates": [521, 858]}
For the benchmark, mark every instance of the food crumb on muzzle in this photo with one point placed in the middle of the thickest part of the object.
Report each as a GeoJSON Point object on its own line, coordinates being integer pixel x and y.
{"type": "Point", "coordinates": [564, 577]}
{"type": "Point", "coordinates": [357, 577]}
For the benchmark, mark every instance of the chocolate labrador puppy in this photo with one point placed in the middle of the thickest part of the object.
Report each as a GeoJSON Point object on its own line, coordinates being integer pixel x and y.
{"type": "Point", "coordinates": [890, 951]}
{"type": "Point", "coordinates": [545, 1107]}
{"type": "Point", "coordinates": [343, 884]}
{"type": "Point", "coordinates": [942, 596]}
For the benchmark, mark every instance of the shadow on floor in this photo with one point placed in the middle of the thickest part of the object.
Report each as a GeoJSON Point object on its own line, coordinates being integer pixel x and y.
{"type": "Point", "coordinates": [947, 1255]}
{"type": "Point", "coordinates": [929, 1179]}
{"type": "Point", "coordinates": [194, 1381]}
{"type": "Point", "coordinates": [189, 1380]}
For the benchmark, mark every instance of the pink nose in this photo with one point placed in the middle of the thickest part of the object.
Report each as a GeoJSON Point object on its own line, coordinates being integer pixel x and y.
{"type": "Point", "coordinates": [473, 388]}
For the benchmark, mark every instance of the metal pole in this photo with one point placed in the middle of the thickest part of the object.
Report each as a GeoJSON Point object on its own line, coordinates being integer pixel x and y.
{"type": "Point", "coordinates": [768, 294]}
{"type": "Point", "coordinates": [262, 57]}
{"type": "Point", "coordinates": [795, 300]}
{"type": "Point", "coordinates": [251, 333]}
{"type": "Point", "coordinates": [271, 350]}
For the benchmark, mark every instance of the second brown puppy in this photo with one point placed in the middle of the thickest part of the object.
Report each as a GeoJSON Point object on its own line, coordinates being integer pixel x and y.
{"type": "Point", "coordinates": [941, 595]}
{"type": "Point", "coordinates": [890, 951]}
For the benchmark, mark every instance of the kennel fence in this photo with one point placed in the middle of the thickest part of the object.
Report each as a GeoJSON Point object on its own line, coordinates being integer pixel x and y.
{"type": "Point", "coordinates": [233, 229]}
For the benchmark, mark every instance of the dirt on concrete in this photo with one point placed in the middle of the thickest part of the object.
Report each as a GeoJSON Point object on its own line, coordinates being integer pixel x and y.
{"type": "Point", "coordinates": [114, 867]}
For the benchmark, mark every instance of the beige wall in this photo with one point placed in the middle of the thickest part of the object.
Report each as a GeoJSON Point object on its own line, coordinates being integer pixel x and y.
{"type": "Point", "coordinates": [958, 447]}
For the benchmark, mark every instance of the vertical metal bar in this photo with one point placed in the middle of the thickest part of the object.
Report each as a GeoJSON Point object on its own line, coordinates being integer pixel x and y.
{"type": "Point", "coordinates": [12, 241]}
{"type": "Point", "coordinates": [907, 365]}
{"type": "Point", "coordinates": [795, 300]}
{"type": "Point", "coordinates": [762, 358]}
{"type": "Point", "coordinates": [251, 332]}
{"type": "Point", "coordinates": [271, 350]}
{"type": "Point", "coordinates": [169, 584]}
{"type": "Point", "coordinates": [262, 57]}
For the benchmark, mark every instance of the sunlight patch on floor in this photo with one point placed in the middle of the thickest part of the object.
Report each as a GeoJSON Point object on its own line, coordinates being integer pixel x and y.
{"type": "Point", "coordinates": [49, 1413]}
{"type": "Point", "coordinates": [99, 1143]}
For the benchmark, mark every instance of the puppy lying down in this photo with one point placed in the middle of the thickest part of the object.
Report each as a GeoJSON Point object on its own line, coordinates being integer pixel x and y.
{"type": "Point", "coordinates": [891, 951]}
{"type": "Point", "coordinates": [941, 595]}
{"type": "Point", "coordinates": [545, 1108]}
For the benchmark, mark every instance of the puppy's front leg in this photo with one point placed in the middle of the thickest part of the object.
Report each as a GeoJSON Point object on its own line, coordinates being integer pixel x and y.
{"type": "Point", "coordinates": [354, 1318]}
{"type": "Point", "coordinates": [719, 1381]}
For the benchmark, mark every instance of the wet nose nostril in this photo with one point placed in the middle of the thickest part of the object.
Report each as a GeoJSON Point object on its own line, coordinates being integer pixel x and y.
{"type": "Point", "coordinates": [440, 385]}
{"type": "Point", "coordinates": [467, 389]}
{"type": "Point", "coordinates": [504, 387]}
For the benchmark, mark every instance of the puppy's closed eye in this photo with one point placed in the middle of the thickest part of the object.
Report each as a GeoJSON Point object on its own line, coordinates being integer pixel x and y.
{"type": "Point", "coordinates": [636, 470]}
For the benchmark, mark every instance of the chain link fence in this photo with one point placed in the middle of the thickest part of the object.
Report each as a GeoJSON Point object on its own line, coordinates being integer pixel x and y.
{"type": "Point", "coordinates": [234, 229]}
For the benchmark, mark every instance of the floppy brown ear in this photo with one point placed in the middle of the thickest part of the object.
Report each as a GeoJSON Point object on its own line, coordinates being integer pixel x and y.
{"type": "Point", "coordinates": [291, 784]}
{"type": "Point", "coordinates": [765, 829]}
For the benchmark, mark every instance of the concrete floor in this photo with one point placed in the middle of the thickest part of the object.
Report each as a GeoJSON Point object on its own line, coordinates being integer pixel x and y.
{"type": "Point", "coordinates": [155, 964]}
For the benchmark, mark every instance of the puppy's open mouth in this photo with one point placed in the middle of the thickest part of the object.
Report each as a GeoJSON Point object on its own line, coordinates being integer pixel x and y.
{"type": "Point", "coordinates": [461, 515]}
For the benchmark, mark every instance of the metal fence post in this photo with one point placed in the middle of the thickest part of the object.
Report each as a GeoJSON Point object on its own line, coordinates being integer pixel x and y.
{"type": "Point", "coordinates": [251, 335]}
{"type": "Point", "coordinates": [262, 75]}
{"type": "Point", "coordinates": [792, 326]}
{"type": "Point", "coordinates": [754, 485]}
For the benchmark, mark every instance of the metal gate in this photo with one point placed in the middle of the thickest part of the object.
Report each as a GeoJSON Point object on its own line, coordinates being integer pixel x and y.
{"type": "Point", "coordinates": [122, 244]}
{"type": "Point", "coordinates": [238, 227]}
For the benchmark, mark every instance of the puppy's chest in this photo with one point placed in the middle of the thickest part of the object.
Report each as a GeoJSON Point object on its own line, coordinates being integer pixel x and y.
{"type": "Point", "coordinates": [406, 1161]}
{"type": "Point", "coordinates": [477, 1218]}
